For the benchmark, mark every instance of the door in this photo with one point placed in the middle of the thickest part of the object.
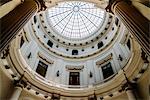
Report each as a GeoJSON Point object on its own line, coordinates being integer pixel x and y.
{"type": "Point", "coordinates": [74, 78]}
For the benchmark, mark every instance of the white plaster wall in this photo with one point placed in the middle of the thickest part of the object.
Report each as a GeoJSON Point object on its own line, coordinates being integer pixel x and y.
{"type": "Point", "coordinates": [60, 63]}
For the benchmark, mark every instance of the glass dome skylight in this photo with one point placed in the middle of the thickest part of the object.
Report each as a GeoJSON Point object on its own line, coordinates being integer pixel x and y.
{"type": "Point", "coordinates": [75, 20]}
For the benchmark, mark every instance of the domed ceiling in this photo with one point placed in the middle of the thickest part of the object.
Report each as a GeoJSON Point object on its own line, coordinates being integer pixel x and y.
{"type": "Point", "coordinates": [75, 20]}
{"type": "Point", "coordinates": [75, 29]}
{"type": "Point", "coordinates": [72, 39]}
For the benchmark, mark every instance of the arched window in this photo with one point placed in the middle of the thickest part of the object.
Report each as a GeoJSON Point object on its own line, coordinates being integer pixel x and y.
{"type": "Point", "coordinates": [49, 43]}
{"type": "Point", "coordinates": [100, 44]}
{"type": "Point", "coordinates": [74, 52]}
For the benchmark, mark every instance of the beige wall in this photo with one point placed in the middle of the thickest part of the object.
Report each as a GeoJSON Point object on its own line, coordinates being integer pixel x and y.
{"type": "Point", "coordinates": [122, 96]}
{"type": "Point", "coordinates": [29, 96]}
{"type": "Point", "coordinates": [144, 10]}
{"type": "Point", "coordinates": [143, 85]}
{"type": "Point", "coordinates": [9, 6]}
{"type": "Point", "coordinates": [6, 85]}
{"type": "Point", "coordinates": [6, 88]}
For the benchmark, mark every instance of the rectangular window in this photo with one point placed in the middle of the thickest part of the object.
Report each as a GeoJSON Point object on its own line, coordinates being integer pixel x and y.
{"type": "Point", "coordinates": [107, 70]}
{"type": "Point", "coordinates": [42, 68]}
{"type": "Point", "coordinates": [74, 78]}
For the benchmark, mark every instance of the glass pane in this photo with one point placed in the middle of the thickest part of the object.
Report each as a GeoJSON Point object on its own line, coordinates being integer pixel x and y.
{"type": "Point", "coordinates": [75, 19]}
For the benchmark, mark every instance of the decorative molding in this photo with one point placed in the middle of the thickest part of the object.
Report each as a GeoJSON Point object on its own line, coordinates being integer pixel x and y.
{"type": "Point", "coordinates": [41, 5]}
{"type": "Point", "coordinates": [106, 59]}
{"type": "Point", "coordinates": [75, 57]}
{"type": "Point", "coordinates": [68, 43]}
{"type": "Point", "coordinates": [74, 67]}
{"type": "Point", "coordinates": [43, 58]}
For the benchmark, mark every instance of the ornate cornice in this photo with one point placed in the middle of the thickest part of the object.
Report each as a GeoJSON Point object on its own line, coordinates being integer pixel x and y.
{"type": "Point", "coordinates": [74, 67]}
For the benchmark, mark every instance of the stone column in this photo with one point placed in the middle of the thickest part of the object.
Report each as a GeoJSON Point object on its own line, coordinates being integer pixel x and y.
{"type": "Point", "coordinates": [130, 93]}
{"type": "Point", "coordinates": [8, 7]}
{"type": "Point", "coordinates": [14, 19]}
{"type": "Point", "coordinates": [136, 23]}
{"type": "Point", "coordinates": [16, 93]}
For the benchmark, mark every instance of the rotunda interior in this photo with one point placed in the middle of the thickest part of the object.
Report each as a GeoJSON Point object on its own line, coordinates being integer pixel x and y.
{"type": "Point", "coordinates": [75, 50]}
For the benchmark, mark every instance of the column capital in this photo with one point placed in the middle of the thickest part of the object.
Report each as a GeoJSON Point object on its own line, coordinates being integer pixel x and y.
{"type": "Point", "coordinates": [41, 5]}
{"type": "Point", "coordinates": [135, 22]}
{"type": "Point", "coordinates": [144, 56]}
{"type": "Point", "coordinates": [17, 91]}
{"type": "Point", "coordinates": [5, 52]}
{"type": "Point", "coordinates": [130, 92]}
{"type": "Point", "coordinates": [20, 83]}
{"type": "Point", "coordinates": [14, 21]}
{"type": "Point", "coordinates": [113, 3]}
{"type": "Point", "coordinates": [129, 87]}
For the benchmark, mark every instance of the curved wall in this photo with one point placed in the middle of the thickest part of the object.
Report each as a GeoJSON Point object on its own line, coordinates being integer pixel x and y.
{"type": "Point", "coordinates": [32, 51]}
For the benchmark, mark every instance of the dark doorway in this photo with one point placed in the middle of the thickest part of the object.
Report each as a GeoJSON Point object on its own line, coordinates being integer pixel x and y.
{"type": "Point", "coordinates": [74, 78]}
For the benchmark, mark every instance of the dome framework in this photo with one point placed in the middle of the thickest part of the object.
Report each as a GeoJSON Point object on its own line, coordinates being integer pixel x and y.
{"type": "Point", "coordinates": [27, 53]}
{"type": "Point", "coordinates": [75, 20]}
